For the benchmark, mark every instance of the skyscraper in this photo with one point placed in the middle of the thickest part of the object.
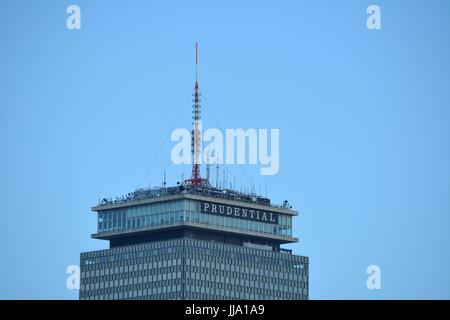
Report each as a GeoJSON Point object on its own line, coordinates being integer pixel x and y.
{"type": "Point", "coordinates": [193, 241]}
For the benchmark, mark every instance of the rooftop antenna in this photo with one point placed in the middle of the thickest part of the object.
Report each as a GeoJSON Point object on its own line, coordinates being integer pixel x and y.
{"type": "Point", "coordinates": [196, 143]}
{"type": "Point", "coordinates": [228, 178]}
{"type": "Point", "coordinates": [164, 180]}
{"type": "Point", "coordinates": [217, 175]}
{"type": "Point", "coordinates": [224, 182]}
{"type": "Point", "coordinates": [208, 166]}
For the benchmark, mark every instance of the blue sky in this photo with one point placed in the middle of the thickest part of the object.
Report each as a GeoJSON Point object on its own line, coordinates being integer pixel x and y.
{"type": "Point", "coordinates": [364, 119]}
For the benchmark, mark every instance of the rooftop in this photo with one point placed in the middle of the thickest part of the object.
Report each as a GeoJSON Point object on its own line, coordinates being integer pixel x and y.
{"type": "Point", "coordinates": [206, 191]}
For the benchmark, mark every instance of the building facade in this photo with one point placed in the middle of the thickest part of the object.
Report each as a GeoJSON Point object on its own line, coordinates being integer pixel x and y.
{"type": "Point", "coordinates": [193, 242]}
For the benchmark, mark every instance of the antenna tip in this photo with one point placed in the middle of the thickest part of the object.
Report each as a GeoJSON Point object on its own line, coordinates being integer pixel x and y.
{"type": "Point", "coordinates": [196, 53]}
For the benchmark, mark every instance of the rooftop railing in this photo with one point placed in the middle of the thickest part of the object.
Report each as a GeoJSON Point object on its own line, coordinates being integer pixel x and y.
{"type": "Point", "coordinates": [157, 192]}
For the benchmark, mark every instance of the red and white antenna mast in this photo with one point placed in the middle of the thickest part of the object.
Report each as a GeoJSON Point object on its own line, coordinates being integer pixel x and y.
{"type": "Point", "coordinates": [196, 150]}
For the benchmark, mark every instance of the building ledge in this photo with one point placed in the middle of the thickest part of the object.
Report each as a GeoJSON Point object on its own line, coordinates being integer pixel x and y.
{"type": "Point", "coordinates": [194, 225]}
